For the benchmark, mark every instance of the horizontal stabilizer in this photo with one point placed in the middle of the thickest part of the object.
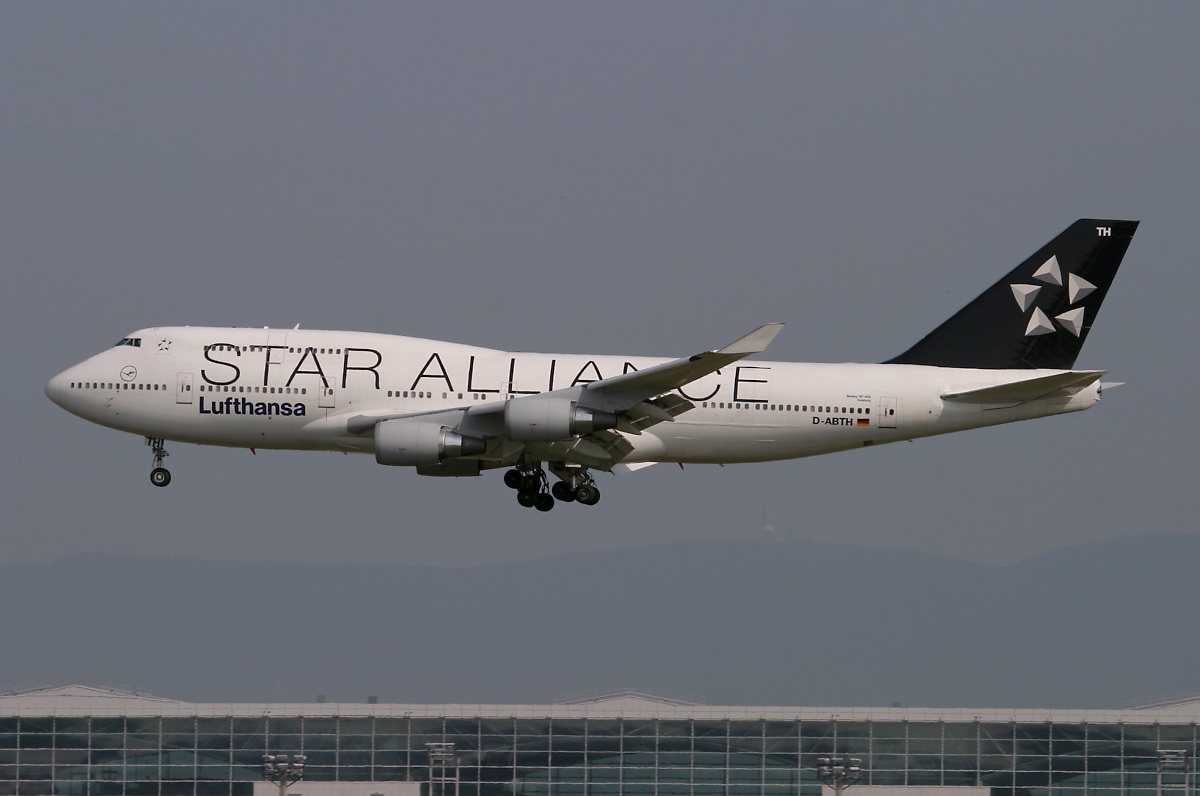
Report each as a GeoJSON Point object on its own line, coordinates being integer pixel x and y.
{"type": "Point", "coordinates": [1016, 392]}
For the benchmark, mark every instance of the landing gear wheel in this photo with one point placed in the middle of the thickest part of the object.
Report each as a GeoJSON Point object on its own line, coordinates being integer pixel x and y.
{"type": "Point", "coordinates": [527, 499]}
{"type": "Point", "coordinates": [563, 491]}
{"type": "Point", "coordinates": [587, 494]}
{"type": "Point", "coordinates": [159, 475]}
{"type": "Point", "coordinates": [544, 501]}
{"type": "Point", "coordinates": [513, 479]}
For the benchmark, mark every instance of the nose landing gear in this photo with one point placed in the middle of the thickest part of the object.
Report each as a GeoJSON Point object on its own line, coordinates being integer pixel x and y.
{"type": "Point", "coordinates": [159, 476]}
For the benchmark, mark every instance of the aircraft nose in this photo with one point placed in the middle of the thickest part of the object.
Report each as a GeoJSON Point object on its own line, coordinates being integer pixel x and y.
{"type": "Point", "coordinates": [57, 389]}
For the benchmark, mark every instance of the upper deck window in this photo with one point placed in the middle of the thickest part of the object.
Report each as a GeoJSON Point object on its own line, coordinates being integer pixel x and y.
{"type": "Point", "coordinates": [133, 341]}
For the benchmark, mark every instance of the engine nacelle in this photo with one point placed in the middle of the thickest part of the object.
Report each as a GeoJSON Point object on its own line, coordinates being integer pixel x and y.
{"type": "Point", "coordinates": [410, 442]}
{"type": "Point", "coordinates": [546, 419]}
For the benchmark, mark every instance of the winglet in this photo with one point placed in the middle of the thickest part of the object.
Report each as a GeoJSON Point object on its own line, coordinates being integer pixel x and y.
{"type": "Point", "coordinates": [622, 393]}
{"type": "Point", "coordinates": [754, 343]}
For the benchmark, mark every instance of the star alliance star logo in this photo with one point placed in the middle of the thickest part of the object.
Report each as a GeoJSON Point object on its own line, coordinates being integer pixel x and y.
{"type": "Point", "coordinates": [1050, 273]}
{"type": "Point", "coordinates": [164, 345]}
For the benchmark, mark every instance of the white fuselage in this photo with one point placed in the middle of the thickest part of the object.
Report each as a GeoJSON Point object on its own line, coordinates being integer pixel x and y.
{"type": "Point", "coordinates": [296, 389]}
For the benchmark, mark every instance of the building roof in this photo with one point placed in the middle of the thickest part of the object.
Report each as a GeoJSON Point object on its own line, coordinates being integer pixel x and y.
{"type": "Point", "coordinates": [78, 700]}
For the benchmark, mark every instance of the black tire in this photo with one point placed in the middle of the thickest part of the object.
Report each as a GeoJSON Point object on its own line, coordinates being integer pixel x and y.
{"type": "Point", "coordinates": [513, 479]}
{"type": "Point", "coordinates": [563, 491]}
{"type": "Point", "coordinates": [531, 482]}
{"type": "Point", "coordinates": [527, 499]}
{"type": "Point", "coordinates": [160, 476]}
{"type": "Point", "coordinates": [545, 501]}
{"type": "Point", "coordinates": [587, 494]}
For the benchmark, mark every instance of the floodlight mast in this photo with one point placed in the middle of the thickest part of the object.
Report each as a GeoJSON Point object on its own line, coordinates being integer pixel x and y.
{"type": "Point", "coordinates": [839, 772]}
{"type": "Point", "coordinates": [283, 771]}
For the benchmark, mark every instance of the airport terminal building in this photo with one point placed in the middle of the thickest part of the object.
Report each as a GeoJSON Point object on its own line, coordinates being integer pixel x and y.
{"type": "Point", "coordinates": [100, 742]}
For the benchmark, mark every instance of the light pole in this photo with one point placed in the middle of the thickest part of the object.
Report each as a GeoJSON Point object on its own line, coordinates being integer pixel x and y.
{"type": "Point", "coordinates": [839, 772]}
{"type": "Point", "coordinates": [283, 770]}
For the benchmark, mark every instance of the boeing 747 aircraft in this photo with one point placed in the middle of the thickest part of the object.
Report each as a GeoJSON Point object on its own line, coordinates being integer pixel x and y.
{"type": "Point", "coordinates": [457, 410]}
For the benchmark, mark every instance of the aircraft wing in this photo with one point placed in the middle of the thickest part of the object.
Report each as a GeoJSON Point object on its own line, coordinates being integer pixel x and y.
{"type": "Point", "coordinates": [638, 399]}
{"type": "Point", "coordinates": [624, 392]}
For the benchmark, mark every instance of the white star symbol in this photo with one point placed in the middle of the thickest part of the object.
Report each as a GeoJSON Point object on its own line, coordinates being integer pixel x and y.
{"type": "Point", "coordinates": [1051, 273]}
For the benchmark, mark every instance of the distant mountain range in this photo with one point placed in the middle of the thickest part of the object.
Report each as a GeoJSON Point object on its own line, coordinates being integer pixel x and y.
{"type": "Point", "coordinates": [799, 623]}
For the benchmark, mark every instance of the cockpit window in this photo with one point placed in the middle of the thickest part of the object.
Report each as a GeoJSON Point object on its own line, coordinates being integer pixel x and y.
{"type": "Point", "coordinates": [133, 341]}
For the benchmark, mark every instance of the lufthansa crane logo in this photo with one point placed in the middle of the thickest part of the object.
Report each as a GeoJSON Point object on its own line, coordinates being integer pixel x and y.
{"type": "Point", "coordinates": [128, 373]}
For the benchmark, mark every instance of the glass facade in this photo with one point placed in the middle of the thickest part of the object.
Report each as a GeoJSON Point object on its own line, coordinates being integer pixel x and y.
{"type": "Point", "coordinates": [587, 749]}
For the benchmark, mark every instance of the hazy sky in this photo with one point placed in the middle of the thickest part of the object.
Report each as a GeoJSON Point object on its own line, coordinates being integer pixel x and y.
{"type": "Point", "coordinates": [620, 178]}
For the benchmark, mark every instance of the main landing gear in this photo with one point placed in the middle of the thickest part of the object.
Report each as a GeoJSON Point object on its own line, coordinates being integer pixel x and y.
{"type": "Point", "coordinates": [531, 486]}
{"type": "Point", "coordinates": [533, 490]}
{"type": "Point", "coordinates": [159, 476]}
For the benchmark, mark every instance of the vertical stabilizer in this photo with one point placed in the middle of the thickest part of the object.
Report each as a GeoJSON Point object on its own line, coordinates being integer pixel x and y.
{"type": "Point", "coordinates": [1040, 314]}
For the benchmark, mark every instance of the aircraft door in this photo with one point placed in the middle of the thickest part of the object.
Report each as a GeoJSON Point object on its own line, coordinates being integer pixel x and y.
{"type": "Point", "coordinates": [889, 408]}
{"type": "Point", "coordinates": [326, 399]}
{"type": "Point", "coordinates": [276, 342]}
{"type": "Point", "coordinates": [183, 388]}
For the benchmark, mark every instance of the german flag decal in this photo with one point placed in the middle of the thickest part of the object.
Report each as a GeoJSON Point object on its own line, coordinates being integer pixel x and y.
{"type": "Point", "coordinates": [862, 421]}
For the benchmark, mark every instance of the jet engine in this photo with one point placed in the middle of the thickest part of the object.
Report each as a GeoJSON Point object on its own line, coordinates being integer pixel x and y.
{"type": "Point", "coordinates": [546, 418]}
{"type": "Point", "coordinates": [409, 442]}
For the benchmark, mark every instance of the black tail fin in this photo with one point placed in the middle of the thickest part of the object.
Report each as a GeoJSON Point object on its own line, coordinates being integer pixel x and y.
{"type": "Point", "coordinates": [1040, 314]}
